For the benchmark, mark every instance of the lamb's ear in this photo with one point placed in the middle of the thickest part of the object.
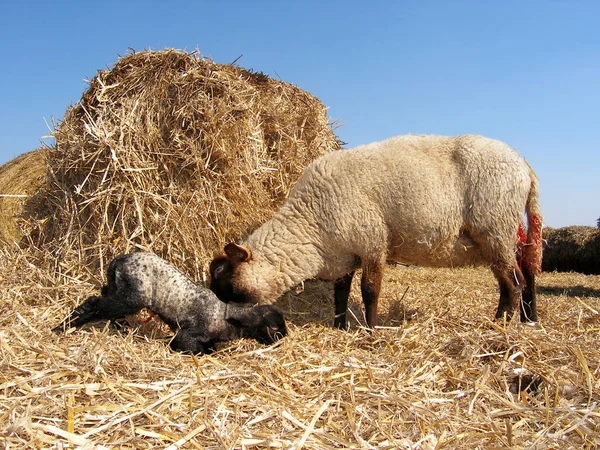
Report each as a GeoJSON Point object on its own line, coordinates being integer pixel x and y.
{"type": "Point", "coordinates": [238, 318]}
{"type": "Point", "coordinates": [237, 253]}
{"type": "Point", "coordinates": [244, 316]}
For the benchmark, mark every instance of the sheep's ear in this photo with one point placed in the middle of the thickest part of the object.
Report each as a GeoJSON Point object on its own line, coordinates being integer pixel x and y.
{"type": "Point", "coordinates": [237, 252]}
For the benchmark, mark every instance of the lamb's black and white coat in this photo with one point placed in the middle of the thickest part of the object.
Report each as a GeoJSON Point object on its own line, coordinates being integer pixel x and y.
{"type": "Point", "coordinates": [199, 318]}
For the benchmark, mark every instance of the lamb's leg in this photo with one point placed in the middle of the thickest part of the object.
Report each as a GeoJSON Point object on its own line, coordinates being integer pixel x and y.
{"type": "Point", "coordinates": [528, 305]}
{"type": "Point", "coordinates": [84, 313]}
{"type": "Point", "coordinates": [372, 273]}
{"type": "Point", "coordinates": [187, 342]}
{"type": "Point", "coordinates": [510, 290]}
{"type": "Point", "coordinates": [340, 293]}
{"type": "Point", "coordinates": [98, 308]}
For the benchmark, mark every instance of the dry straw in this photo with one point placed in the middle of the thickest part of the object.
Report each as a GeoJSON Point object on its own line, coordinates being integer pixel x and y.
{"type": "Point", "coordinates": [574, 248]}
{"type": "Point", "coordinates": [175, 154]}
{"type": "Point", "coordinates": [19, 181]}
{"type": "Point", "coordinates": [437, 374]}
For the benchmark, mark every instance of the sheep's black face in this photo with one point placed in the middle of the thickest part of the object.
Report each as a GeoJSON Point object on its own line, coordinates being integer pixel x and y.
{"type": "Point", "coordinates": [222, 271]}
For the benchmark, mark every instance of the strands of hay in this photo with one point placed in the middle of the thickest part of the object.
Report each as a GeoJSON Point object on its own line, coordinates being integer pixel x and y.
{"type": "Point", "coordinates": [437, 374]}
{"type": "Point", "coordinates": [175, 154]}
{"type": "Point", "coordinates": [575, 248]}
{"type": "Point", "coordinates": [19, 180]}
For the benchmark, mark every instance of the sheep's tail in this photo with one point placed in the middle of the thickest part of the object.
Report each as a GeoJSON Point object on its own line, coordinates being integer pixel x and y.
{"type": "Point", "coordinates": [532, 248]}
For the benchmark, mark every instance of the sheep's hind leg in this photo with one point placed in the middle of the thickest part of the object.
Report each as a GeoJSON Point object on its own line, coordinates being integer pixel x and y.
{"type": "Point", "coordinates": [99, 308]}
{"type": "Point", "coordinates": [370, 287]}
{"type": "Point", "coordinates": [510, 283]}
{"type": "Point", "coordinates": [341, 292]}
{"type": "Point", "coordinates": [528, 305]}
{"type": "Point", "coordinates": [500, 252]}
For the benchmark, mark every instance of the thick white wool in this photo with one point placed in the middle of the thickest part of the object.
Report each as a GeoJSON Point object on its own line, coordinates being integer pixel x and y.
{"type": "Point", "coordinates": [423, 200]}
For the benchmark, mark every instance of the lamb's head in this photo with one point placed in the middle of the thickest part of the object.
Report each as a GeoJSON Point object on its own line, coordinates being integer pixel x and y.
{"type": "Point", "coordinates": [240, 278]}
{"type": "Point", "coordinates": [265, 323]}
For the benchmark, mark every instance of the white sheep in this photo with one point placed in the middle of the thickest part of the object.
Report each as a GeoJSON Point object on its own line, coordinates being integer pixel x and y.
{"type": "Point", "coordinates": [199, 318]}
{"type": "Point", "coordinates": [431, 201]}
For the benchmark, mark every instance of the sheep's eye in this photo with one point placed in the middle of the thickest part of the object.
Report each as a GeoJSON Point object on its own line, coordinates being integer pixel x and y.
{"type": "Point", "coordinates": [219, 269]}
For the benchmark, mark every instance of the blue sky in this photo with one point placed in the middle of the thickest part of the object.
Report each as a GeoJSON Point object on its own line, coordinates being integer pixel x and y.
{"type": "Point", "coordinates": [524, 72]}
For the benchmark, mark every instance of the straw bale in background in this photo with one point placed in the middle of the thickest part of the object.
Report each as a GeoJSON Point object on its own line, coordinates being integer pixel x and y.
{"type": "Point", "coordinates": [574, 248]}
{"type": "Point", "coordinates": [20, 178]}
{"type": "Point", "coordinates": [175, 154]}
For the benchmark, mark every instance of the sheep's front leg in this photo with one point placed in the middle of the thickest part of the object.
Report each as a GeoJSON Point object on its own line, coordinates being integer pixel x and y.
{"type": "Point", "coordinates": [341, 292]}
{"type": "Point", "coordinates": [370, 286]}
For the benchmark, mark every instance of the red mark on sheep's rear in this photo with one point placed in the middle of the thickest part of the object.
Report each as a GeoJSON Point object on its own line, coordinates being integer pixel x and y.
{"type": "Point", "coordinates": [530, 244]}
{"type": "Point", "coordinates": [521, 235]}
{"type": "Point", "coordinates": [521, 239]}
{"type": "Point", "coordinates": [535, 229]}
{"type": "Point", "coordinates": [533, 251]}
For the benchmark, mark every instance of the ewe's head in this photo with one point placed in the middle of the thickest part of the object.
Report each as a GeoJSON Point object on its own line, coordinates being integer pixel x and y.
{"type": "Point", "coordinates": [265, 323]}
{"type": "Point", "coordinates": [237, 277]}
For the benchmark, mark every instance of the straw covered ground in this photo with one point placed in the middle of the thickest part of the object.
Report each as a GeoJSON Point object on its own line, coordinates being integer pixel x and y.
{"type": "Point", "coordinates": [437, 374]}
{"type": "Point", "coordinates": [176, 154]}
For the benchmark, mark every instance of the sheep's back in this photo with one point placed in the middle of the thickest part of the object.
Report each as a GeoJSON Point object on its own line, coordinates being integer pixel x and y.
{"type": "Point", "coordinates": [422, 195]}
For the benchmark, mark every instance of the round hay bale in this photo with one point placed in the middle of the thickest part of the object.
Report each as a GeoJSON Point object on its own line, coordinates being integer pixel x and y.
{"type": "Point", "coordinates": [176, 154]}
{"type": "Point", "coordinates": [572, 249]}
{"type": "Point", "coordinates": [20, 178]}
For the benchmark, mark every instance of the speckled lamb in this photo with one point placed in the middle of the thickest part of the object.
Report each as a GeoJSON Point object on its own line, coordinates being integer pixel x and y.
{"type": "Point", "coordinates": [432, 201]}
{"type": "Point", "coordinates": [199, 318]}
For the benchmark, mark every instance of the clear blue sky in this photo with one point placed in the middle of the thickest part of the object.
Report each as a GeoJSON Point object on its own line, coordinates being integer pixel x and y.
{"type": "Point", "coordinates": [524, 72]}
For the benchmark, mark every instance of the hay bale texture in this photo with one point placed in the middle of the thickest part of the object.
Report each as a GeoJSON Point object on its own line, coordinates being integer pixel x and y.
{"type": "Point", "coordinates": [572, 249]}
{"type": "Point", "coordinates": [20, 178]}
{"type": "Point", "coordinates": [173, 153]}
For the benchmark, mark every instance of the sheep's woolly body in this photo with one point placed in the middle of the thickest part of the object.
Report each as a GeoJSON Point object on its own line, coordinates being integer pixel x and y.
{"type": "Point", "coordinates": [423, 200]}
